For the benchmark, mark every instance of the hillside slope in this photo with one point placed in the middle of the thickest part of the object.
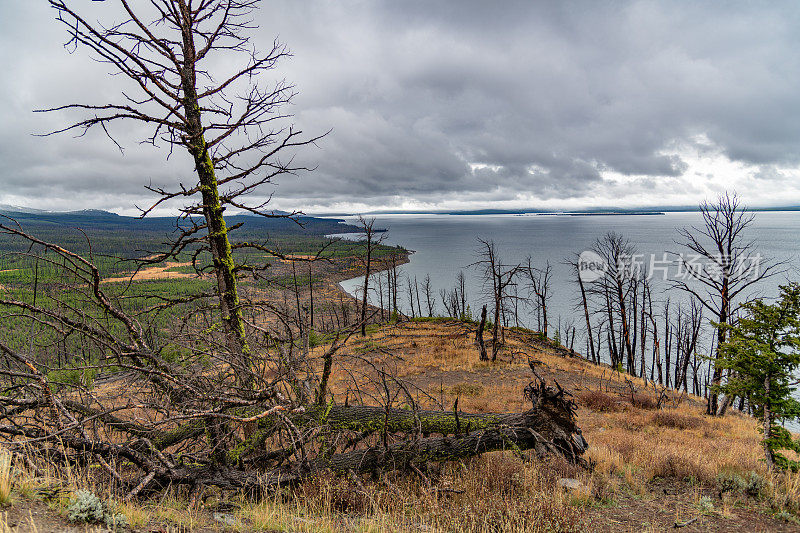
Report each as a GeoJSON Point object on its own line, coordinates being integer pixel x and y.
{"type": "Point", "coordinates": [652, 468]}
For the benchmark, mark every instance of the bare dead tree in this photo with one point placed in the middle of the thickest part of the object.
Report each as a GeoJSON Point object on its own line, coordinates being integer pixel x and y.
{"type": "Point", "coordinates": [430, 300]}
{"type": "Point", "coordinates": [687, 334]}
{"type": "Point", "coordinates": [656, 349]}
{"type": "Point", "coordinates": [393, 273]}
{"type": "Point", "coordinates": [310, 297]}
{"type": "Point", "coordinates": [721, 266]}
{"type": "Point", "coordinates": [231, 124]}
{"type": "Point", "coordinates": [370, 242]}
{"type": "Point", "coordinates": [220, 397]}
{"type": "Point", "coordinates": [584, 303]}
{"type": "Point", "coordinates": [419, 300]}
{"type": "Point", "coordinates": [497, 278]}
{"type": "Point", "coordinates": [410, 288]}
{"type": "Point", "coordinates": [616, 288]}
{"type": "Point", "coordinates": [479, 336]}
{"type": "Point", "coordinates": [461, 293]}
{"type": "Point", "coordinates": [381, 295]}
{"type": "Point", "coordinates": [455, 299]}
{"type": "Point", "coordinates": [539, 287]}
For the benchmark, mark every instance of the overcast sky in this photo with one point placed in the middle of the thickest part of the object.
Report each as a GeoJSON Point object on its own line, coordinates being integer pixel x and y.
{"type": "Point", "coordinates": [455, 104]}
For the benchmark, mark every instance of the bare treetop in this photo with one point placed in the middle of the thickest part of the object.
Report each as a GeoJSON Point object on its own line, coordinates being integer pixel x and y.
{"type": "Point", "coordinates": [195, 77]}
{"type": "Point", "coordinates": [174, 54]}
{"type": "Point", "coordinates": [727, 260]}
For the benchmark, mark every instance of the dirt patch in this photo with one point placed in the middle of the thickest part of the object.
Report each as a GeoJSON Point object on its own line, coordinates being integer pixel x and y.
{"type": "Point", "coordinates": [297, 257]}
{"type": "Point", "coordinates": [153, 273]}
{"type": "Point", "coordinates": [667, 502]}
{"type": "Point", "coordinates": [25, 516]}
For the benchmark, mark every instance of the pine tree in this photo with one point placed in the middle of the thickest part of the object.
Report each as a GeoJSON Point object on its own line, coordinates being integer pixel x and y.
{"type": "Point", "coordinates": [762, 353]}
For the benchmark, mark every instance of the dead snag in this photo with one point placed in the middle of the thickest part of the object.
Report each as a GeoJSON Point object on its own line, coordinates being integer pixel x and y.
{"type": "Point", "coordinates": [479, 336]}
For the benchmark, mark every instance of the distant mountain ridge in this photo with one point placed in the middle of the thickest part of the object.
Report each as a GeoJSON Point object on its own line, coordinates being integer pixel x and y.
{"type": "Point", "coordinates": [7, 208]}
{"type": "Point", "coordinates": [89, 219]}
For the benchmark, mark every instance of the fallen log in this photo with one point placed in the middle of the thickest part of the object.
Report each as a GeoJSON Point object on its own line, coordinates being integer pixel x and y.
{"type": "Point", "coordinates": [549, 427]}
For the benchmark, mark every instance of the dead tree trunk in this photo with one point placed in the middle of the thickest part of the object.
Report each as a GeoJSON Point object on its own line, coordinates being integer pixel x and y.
{"type": "Point", "coordinates": [479, 336]}
{"type": "Point", "coordinates": [592, 352]}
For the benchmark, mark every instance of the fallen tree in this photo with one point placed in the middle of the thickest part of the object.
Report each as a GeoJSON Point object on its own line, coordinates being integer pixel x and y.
{"type": "Point", "coordinates": [547, 428]}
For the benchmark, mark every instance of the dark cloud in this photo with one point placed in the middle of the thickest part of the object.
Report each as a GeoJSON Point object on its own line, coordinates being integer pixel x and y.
{"type": "Point", "coordinates": [440, 101]}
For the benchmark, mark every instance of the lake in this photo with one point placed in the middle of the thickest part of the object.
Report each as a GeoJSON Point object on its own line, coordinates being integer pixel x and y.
{"type": "Point", "coordinates": [445, 244]}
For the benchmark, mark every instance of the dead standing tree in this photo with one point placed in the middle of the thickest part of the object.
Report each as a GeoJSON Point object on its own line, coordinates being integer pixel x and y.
{"type": "Point", "coordinates": [616, 288]}
{"type": "Point", "coordinates": [497, 278]}
{"type": "Point", "coordinates": [577, 269]}
{"type": "Point", "coordinates": [539, 287]}
{"type": "Point", "coordinates": [430, 299]}
{"type": "Point", "coordinates": [232, 126]}
{"type": "Point", "coordinates": [370, 243]}
{"type": "Point", "coordinates": [721, 265]}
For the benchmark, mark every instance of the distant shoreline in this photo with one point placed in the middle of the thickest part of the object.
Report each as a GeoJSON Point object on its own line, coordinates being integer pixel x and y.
{"type": "Point", "coordinates": [594, 214]}
{"type": "Point", "coordinates": [531, 212]}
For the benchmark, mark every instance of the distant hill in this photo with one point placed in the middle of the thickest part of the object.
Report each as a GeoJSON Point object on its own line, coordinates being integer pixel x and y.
{"type": "Point", "coordinates": [7, 208]}
{"type": "Point", "coordinates": [112, 234]}
{"type": "Point", "coordinates": [91, 219]}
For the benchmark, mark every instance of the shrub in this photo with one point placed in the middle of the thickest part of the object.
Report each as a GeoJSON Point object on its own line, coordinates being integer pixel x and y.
{"type": "Point", "coordinates": [730, 482]}
{"type": "Point", "coordinates": [173, 353]}
{"type": "Point", "coordinates": [706, 505]}
{"type": "Point", "coordinates": [752, 484]}
{"type": "Point", "coordinates": [599, 401]}
{"type": "Point", "coordinates": [643, 401]}
{"type": "Point", "coordinates": [677, 421]}
{"type": "Point", "coordinates": [85, 507]}
{"type": "Point", "coordinates": [117, 521]}
{"type": "Point", "coordinates": [73, 376]}
{"type": "Point", "coordinates": [786, 516]}
{"type": "Point", "coordinates": [467, 389]}
{"type": "Point", "coordinates": [755, 484]}
{"type": "Point", "coordinates": [314, 339]}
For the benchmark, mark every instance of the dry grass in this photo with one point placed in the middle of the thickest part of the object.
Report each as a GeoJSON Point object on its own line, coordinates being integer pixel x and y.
{"type": "Point", "coordinates": [496, 492]}
{"type": "Point", "coordinates": [782, 490]}
{"type": "Point", "coordinates": [632, 447]}
{"type": "Point", "coordinates": [175, 512]}
{"type": "Point", "coordinates": [626, 437]}
{"type": "Point", "coordinates": [643, 401]}
{"type": "Point", "coordinates": [4, 527]}
{"type": "Point", "coordinates": [681, 445]}
{"type": "Point", "coordinates": [5, 477]}
{"type": "Point", "coordinates": [670, 419]}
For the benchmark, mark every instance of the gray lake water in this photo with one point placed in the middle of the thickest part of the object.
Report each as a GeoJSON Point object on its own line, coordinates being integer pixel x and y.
{"type": "Point", "coordinates": [445, 244]}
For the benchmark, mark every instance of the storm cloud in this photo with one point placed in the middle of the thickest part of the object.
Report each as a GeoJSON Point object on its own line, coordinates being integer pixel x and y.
{"type": "Point", "coordinates": [457, 104]}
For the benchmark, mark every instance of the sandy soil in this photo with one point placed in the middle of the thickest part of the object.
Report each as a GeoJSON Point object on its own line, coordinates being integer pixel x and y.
{"type": "Point", "coordinates": [152, 273]}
